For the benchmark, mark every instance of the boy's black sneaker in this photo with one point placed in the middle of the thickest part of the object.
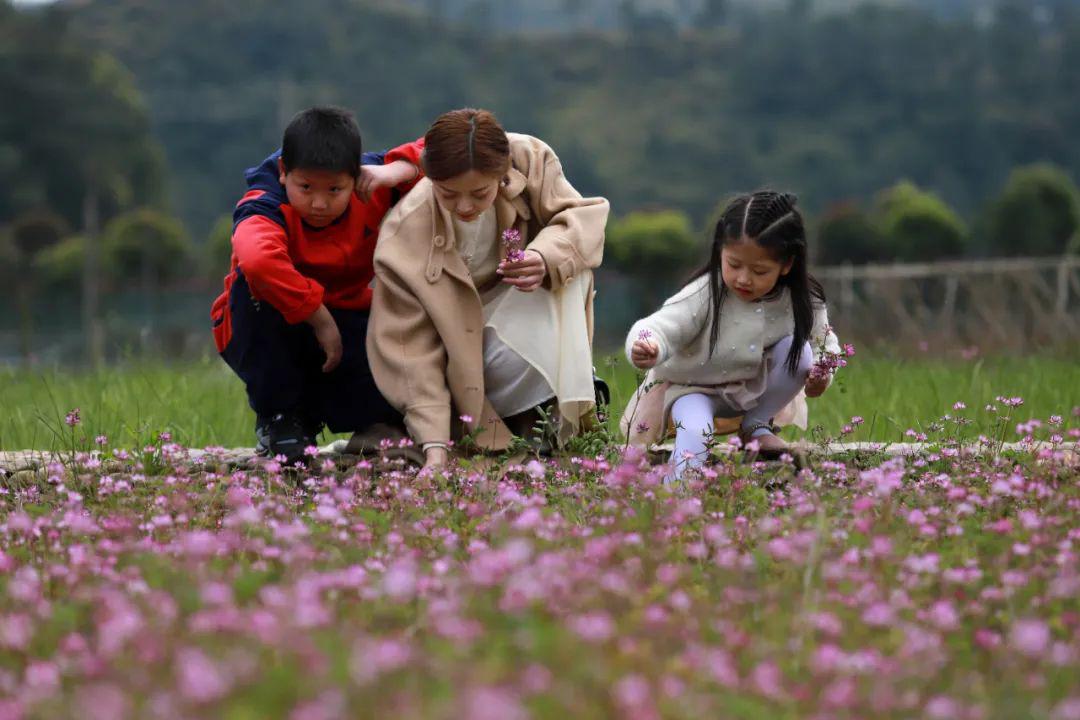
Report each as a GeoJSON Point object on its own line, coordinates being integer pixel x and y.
{"type": "Point", "coordinates": [283, 434]}
{"type": "Point", "coordinates": [603, 392]}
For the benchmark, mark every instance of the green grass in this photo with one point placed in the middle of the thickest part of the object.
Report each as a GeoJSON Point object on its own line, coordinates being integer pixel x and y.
{"type": "Point", "coordinates": [202, 403]}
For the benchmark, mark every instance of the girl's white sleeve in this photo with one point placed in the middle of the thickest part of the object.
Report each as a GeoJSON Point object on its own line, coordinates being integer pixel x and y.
{"type": "Point", "coordinates": [822, 335]}
{"type": "Point", "coordinates": [676, 324]}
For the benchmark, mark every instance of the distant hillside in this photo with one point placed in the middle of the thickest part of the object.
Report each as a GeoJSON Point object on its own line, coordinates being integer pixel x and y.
{"type": "Point", "coordinates": [833, 106]}
{"type": "Point", "coordinates": [572, 15]}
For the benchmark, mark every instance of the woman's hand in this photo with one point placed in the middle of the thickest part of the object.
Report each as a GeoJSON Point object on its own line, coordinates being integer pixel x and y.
{"type": "Point", "coordinates": [816, 385]}
{"type": "Point", "coordinates": [527, 274]}
{"type": "Point", "coordinates": [435, 457]}
{"type": "Point", "coordinates": [644, 354]}
{"type": "Point", "coordinates": [373, 177]}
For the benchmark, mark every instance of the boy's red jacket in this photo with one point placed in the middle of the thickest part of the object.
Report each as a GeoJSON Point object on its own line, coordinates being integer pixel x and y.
{"type": "Point", "coordinates": [295, 267]}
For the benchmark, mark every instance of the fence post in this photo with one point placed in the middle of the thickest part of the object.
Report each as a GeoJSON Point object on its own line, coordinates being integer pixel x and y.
{"type": "Point", "coordinates": [948, 309]}
{"type": "Point", "coordinates": [847, 291]}
{"type": "Point", "coordinates": [1063, 272]}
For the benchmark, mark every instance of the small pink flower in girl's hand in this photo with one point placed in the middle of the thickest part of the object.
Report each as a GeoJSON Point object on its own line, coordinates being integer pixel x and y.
{"type": "Point", "coordinates": [645, 335]}
{"type": "Point", "coordinates": [829, 362]}
{"type": "Point", "coordinates": [511, 239]}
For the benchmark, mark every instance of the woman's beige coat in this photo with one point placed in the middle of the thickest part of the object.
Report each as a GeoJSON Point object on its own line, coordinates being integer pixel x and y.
{"type": "Point", "coordinates": [425, 336]}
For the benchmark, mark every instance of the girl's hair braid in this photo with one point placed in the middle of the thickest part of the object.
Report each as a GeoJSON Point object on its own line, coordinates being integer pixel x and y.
{"type": "Point", "coordinates": [772, 220]}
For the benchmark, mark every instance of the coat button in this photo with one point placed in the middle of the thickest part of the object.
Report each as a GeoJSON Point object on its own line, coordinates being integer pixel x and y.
{"type": "Point", "coordinates": [439, 241]}
{"type": "Point", "coordinates": [753, 347]}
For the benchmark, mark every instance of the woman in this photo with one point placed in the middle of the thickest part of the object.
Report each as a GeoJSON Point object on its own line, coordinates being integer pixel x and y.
{"type": "Point", "coordinates": [465, 332]}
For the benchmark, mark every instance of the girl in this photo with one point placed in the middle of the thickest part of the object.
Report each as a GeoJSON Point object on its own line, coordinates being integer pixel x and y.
{"type": "Point", "coordinates": [739, 340]}
{"type": "Point", "coordinates": [483, 297]}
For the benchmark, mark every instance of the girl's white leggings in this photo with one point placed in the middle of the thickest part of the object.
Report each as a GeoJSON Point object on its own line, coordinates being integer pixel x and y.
{"type": "Point", "coordinates": [693, 414]}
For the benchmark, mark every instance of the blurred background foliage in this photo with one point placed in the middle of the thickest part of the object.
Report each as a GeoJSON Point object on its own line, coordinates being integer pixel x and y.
{"type": "Point", "coordinates": [911, 130]}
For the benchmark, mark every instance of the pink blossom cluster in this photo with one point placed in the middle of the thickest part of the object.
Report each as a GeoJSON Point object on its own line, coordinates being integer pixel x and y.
{"type": "Point", "coordinates": [166, 583]}
{"type": "Point", "coordinates": [511, 240]}
{"type": "Point", "coordinates": [829, 362]}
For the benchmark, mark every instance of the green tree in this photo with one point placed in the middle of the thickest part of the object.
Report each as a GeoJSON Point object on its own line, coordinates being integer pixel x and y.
{"type": "Point", "coordinates": [146, 243]}
{"type": "Point", "coordinates": [30, 234]}
{"type": "Point", "coordinates": [655, 248]}
{"type": "Point", "coordinates": [148, 248]}
{"type": "Point", "coordinates": [918, 226]}
{"type": "Point", "coordinates": [77, 135]}
{"type": "Point", "coordinates": [847, 235]}
{"type": "Point", "coordinates": [59, 268]}
{"type": "Point", "coordinates": [217, 251]}
{"type": "Point", "coordinates": [1037, 213]}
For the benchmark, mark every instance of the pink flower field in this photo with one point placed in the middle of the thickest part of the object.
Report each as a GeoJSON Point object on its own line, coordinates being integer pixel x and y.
{"type": "Point", "coordinates": [147, 584]}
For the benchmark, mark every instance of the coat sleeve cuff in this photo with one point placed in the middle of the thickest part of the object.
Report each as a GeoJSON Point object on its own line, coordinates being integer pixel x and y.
{"type": "Point", "coordinates": [310, 304]}
{"type": "Point", "coordinates": [428, 423]}
{"type": "Point", "coordinates": [560, 258]}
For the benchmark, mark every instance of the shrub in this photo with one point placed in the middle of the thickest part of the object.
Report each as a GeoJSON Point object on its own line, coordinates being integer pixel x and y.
{"type": "Point", "coordinates": [218, 249]}
{"type": "Point", "coordinates": [847, 235]}
{"type": "Point", "coordinates": [653, 247]}
{"type": "Point", "coordinates": [918, 226]}
{"type": "Point", "coordinates": [147, 243]}
{"type": "Point", "coordinates": [1037, 213]}
{"type": "Point", "coordinates": [60, 267]}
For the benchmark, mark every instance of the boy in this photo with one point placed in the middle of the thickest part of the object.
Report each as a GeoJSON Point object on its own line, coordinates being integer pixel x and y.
{"type": "Point", "coordinates": [293, 317]}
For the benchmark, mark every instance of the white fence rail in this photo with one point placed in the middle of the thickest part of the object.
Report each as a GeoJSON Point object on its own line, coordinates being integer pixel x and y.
{"type": "Point", "coordinates": [1012, 302]}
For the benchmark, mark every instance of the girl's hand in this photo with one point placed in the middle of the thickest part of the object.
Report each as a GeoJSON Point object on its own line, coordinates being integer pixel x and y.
{"type": "Point", "coordinates": [816, 385]}
{"type": "Point", "coordinates": [373, 177]}
{"type": "Point", "coordinates": [527, 274]}
{"type": "Point", "coordinates": [644, 354]}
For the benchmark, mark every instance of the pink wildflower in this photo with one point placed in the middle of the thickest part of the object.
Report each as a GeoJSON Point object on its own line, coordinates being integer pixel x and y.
{"type": "Point", "coordinates": [511, 239]}
{"type": "Point", "coordinates": [1030, 637]}
{"type": "Point", "coordinates": [492, 703]}
{"type": "Point", "coordinates": [199, 680]}
{"type": "Point", "coordinates": [72, 418]}
{"type": "Point", "coordinates": [593, 627]}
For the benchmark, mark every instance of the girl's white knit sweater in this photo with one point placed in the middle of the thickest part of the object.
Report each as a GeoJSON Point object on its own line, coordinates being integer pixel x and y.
{"type": "Point", "coordinates": [681, 330]}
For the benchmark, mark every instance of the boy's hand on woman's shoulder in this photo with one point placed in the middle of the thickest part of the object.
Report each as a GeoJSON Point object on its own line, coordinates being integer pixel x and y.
{"type": "Point", "coordinates": [373, 177]}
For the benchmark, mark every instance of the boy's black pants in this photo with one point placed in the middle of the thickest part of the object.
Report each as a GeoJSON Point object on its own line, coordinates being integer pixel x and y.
{"type": "Point", "coordinates": [281, 366]}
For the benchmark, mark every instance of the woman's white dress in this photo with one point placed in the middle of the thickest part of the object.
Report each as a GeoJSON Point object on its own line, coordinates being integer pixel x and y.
{"type": "Point", "coordinates": [536, 344]}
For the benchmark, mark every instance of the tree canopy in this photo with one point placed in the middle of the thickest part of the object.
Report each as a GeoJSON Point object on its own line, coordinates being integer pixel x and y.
{"type": "Point", "coordinates": [832, 104]}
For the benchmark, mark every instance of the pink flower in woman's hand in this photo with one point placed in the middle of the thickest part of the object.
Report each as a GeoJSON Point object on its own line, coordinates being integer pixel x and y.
{"type": "Point", "coordinates": [511, 240]}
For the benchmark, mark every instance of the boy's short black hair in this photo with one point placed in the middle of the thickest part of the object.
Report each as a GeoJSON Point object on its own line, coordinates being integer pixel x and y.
{"type": "Point", "coordinates": [322, 138]}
